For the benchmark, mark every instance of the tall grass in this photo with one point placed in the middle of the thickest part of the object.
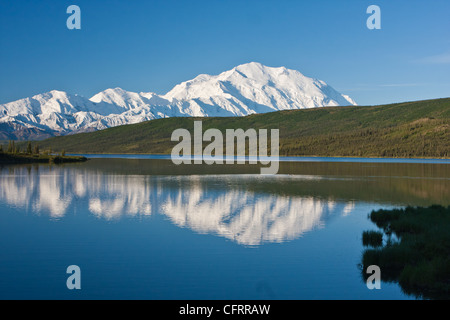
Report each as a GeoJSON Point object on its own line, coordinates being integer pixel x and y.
{"type": "Point", "coordinates": [420, 260]}
{"type": "Point", "coordinates": [372, 238]}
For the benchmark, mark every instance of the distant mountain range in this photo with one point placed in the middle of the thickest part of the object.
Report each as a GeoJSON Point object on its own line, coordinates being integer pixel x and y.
{"type": "Point", "coordinates": [246, 89]}
{"type": "Point", "coordinates": [408, 129]}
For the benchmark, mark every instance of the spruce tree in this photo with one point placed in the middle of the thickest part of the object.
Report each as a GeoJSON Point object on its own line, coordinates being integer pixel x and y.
{"type": "Point", "coordinates": [29, 147]}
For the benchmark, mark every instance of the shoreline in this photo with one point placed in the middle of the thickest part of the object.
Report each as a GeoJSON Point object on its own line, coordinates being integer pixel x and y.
{"type": "Point", "coordinates": [280, 158]}
{"type": "Point", "coordinates": [6, 158]}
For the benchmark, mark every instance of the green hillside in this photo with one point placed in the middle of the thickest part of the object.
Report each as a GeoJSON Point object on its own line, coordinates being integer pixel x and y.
{"type": "Point", "coordinates": [410, 129]}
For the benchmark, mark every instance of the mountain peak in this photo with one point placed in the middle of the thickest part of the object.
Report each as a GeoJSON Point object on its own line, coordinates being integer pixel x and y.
{"type": "Point", "coordinates": [58, 92]}
{"type": "Point", "coordinates": [250, 65]}
{"type": "Point", "coordinates": [259, 67]}
{"type": "Point", "coordinates": [258, 88]}
{"type": "Point", "coordinates": [111, 96]}
{"type": "Point", "coordinates": [245, 89]}
{"type": "Point", "coordinates": [52, 94]}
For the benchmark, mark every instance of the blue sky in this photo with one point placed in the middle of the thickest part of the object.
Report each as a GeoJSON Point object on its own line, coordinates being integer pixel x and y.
{"type": "Point", "coordinates": [154, 45]}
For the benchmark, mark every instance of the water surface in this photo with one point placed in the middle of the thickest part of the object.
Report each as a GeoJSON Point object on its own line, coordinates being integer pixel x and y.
{"type": "Point", "coordinates": [147, 229]}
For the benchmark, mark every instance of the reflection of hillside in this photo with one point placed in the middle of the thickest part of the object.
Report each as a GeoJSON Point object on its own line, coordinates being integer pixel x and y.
{"type": "Point", "coordinates": [249, 209]}
{"type": "Point", "coordinates": [205, 204]}
{"type": "Point", "coordinates": [394, 183]}
{"type": "Point", "coordinates": [391, 190]}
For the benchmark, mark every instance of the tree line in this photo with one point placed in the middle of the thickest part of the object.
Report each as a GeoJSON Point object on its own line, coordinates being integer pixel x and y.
{"type": "Point", "coordinates": [15, 149]}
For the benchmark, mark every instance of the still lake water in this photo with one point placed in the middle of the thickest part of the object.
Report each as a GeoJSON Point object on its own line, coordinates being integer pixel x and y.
{"type": "Point", "coordinates": [142, 228]}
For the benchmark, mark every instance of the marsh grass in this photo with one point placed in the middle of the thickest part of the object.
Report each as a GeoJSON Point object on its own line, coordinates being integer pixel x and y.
{"type": "Point", "coordinates": [420, 260]}
{"type": "Point", "coordinates": [372, 238]}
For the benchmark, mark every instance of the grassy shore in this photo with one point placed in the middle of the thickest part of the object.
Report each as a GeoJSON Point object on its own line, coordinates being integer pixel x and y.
{"type": "Point", "coordinates": [9, 158]}
{"type": "Point", "coordinates": [419, 258]}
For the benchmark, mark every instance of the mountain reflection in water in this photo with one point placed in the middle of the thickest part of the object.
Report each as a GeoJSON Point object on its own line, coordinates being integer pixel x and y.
{"type": "Point", "coordinates": [249, 209]}
{"type": "Point", "coordinates": [215, 204]}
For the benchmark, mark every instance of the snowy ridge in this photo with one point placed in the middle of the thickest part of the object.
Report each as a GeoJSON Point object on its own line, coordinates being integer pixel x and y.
{"type": "Point", "coordinates": [246, 89]}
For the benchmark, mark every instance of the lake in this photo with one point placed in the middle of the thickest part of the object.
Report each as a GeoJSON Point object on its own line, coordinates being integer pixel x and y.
{"type": "Point", "coordinates": [140, 227]}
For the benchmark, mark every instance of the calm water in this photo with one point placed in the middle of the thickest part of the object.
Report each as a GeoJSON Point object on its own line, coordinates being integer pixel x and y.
{"type": "Point", "coordinates": [147, 229]}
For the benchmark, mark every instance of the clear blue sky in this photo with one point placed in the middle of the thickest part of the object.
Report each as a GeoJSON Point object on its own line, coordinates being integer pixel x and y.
{"type": "Point", "coordinates": [153, 45]}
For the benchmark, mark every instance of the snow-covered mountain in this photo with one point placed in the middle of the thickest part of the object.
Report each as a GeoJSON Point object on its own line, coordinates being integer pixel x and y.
{"type": "Point", "coordinates": [246, 89]}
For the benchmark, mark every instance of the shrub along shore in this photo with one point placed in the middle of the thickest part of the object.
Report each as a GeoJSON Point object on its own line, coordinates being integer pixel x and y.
{"type": "Point", "coordinates": [13, 155]}
{"type": "Point", "coordinates": [419, 258]}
